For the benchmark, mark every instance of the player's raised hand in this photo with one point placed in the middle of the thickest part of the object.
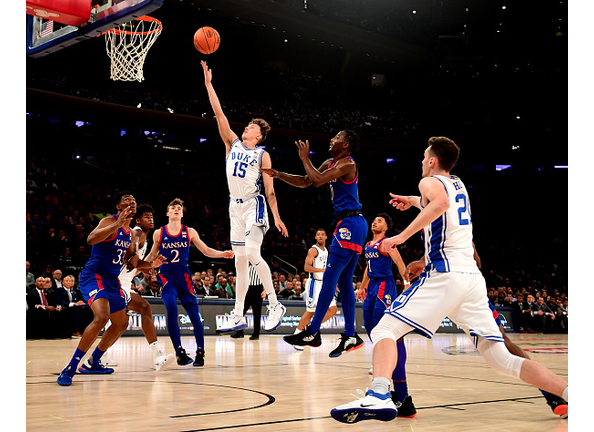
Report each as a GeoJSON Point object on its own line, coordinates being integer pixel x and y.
{"type": "Point", "coordinates": [400, 202]}
{"type": "Point", "coordinates": [390, 243]}
{"type": "Point", "coordinates": [159, 261]}
{"type": "Point", "coordinates": [303, 148]}
{"type": "Point", "coordinates": [207, 73]}
{"type": "Point", "coordinates": [270, 172]}
{"type": "Point", "coordinates": [125, 215]}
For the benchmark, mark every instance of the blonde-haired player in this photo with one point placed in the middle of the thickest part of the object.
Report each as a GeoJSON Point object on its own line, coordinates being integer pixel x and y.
{"type": "Point", "coordinates": [247, 208]}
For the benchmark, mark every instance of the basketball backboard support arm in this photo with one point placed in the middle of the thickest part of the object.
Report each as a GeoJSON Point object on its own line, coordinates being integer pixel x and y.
{"type": "Point", "coordinates": [41, 42]}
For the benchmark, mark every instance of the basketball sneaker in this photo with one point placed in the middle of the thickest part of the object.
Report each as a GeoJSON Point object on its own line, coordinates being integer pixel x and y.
{"type": "Point", "coordinates": [406, 408]}
{"type": "Point", "coordinates": [89, 368]}
{"type": "Point", "coordinates": [161, 361]}
{"type": "Point", "coordinates": [108, 361]}
{"type": "Point", "coordinates": [275, 316]}
{"type": "Point", "coordinates": [298, 347]}
{"type": "Point", "coordinates": [233, 322]}
{"type": "Point", "coordinates": [304, 338]}
{"type": "Point", "coordinates": [65, 378]}
{"type": "Point", "coordinates": [199, 360]}
{"type": "Point", "coordinates": [559, 406]}
{"type": "Point", "coordinates": [346, 344]}
{"type": "Point", "coordinates": [373, 406]}
{"type": "Point", "coordinates": [182, 358]}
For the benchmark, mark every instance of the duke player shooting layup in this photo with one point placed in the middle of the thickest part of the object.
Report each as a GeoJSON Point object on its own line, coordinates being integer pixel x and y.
{"type": "Point", "coordinates": [247, 209]}
{"type": "Point", "coordinates": [451, 285]}
{"type": "Point", "coordinates": [342, 173]}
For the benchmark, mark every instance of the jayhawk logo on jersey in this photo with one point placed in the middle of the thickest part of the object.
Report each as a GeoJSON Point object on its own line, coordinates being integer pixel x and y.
{"type": "Point", "coordinates": [344, 233]}
{"type": "Point", "coordinates": [387, 299]}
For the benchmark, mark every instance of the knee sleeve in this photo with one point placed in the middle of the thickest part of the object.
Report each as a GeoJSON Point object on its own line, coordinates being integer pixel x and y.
{"type": "Point", "coordinates": [499, 358]}
{"type": "Point", "coordinates": [389, 327]}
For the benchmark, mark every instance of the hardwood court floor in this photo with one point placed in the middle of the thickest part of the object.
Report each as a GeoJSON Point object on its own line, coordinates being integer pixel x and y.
{"type": "Point", "coordinates": [266, 385]}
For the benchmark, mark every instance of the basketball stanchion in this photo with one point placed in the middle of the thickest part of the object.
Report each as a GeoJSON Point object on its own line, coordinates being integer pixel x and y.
{"type": "Point", "coordinates": [127, 46]}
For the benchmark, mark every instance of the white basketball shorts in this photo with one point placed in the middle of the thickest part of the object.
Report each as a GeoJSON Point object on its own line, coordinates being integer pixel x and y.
{"type": "Point", "coordinates": [462, 297]}
{"type": "Point", "coordinates": [311, 292]}
{"type": "Point", "coordinates": [245, 215]}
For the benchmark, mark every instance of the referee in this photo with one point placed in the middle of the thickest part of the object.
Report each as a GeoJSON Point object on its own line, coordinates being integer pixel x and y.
{"type": "Point", "coordinates": [253, 298]}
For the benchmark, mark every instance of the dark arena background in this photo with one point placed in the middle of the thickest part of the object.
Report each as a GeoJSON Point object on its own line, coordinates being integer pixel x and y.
{"type": "Point", "coordinates": [487, 74]}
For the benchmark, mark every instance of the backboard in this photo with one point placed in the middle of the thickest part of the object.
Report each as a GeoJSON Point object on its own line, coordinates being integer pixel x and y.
{"type": "Point", "coordinates": [50, 28]}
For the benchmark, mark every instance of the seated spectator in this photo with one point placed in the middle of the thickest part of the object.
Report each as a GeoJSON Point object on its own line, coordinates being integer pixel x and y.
{"type": "Point", "coordinates": [543, 316]}
{"type": "Point", "coordinates": [77, 313]}
{"type": "Point", "coordinates": [561, 318]}
{"type": "Point", "coordinates": [30, 277]}
{"type": "Point", "coordinates": [42, 315]}
{"type": "Point", "coordinates": [139, 283]}
{"type": "Point", "coordinates": [56, 279]}
{"type": "Point", "coordinates": [297, 295]}
{"type": "Point", "coordinates": [288, 291]}
{"type": "Point", "coordinates": [154, 288]}
{"type": "Point", "coordinates": [221, 292]}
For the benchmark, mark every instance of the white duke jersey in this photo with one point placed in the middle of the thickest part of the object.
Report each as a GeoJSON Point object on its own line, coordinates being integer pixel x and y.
{"type": "Point", "coordinates": [242, 166]}
{"type": "Point", "coordinates": [448, 239]}
{"type": "Point", "coordinates": [319, 262]}
{"type": "Point", "coordinates": [126, 276]}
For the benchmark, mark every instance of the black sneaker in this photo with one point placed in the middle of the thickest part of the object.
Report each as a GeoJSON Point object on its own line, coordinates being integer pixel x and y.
{"type": "Point", "coordinates": [406, 408]}
{"type": "Point", "coordinates": [238, 334]}
{"type": "Point", "coordinates": [254, 337]}
{"type": "Point", "coordinates": [305, 338]}
{"type": "Point", "coordinates": [182, 358]}
{"type": "Point", "coordinates": [199, 361]}
{"type": "Point", "coordinates": [347, 343]}
{"type": "Point", "coordinates": [558, 405]}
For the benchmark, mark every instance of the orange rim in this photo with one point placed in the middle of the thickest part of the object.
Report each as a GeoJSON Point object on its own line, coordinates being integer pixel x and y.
{"type": "Point", "coordinates": [147, 18]}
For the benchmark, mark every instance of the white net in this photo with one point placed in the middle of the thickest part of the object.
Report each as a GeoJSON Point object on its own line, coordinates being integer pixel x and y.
{"type": "Point", "coordinates": [127, 46]}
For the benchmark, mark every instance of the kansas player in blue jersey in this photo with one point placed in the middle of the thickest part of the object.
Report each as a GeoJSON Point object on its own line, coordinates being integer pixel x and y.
{"type": "Point", "coordinates": [247, 209]}
{"type": "Point", "coordinates": [173, 241]}
{"type": "Point", "coordinates": [100, 286]}
{"type": "Point", "coordinates": [451, 285]}
{"type": "Point", "coordinates": [342, 174]}
{"type": "Point", "coordinates": [378, 281]}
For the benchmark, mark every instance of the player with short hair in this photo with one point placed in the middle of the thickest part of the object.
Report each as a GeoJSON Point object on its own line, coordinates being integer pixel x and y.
{"type": "Point", "coordinates": [315, 265]}
{"type": "Point", "coordinates": [247, 209]}
{"type": "Point", "coordinates": [379, 284]}
{"type": "Point", "coordinates": [342, 174]}
{"type": "Point", "coordinates": [100, 286]}
{"type": "Point", "coordinates": [144, 222]}
{"type": "Point", "coordinates": [173, 241]}
{"type": "Point", "coordinates": [451, 285]}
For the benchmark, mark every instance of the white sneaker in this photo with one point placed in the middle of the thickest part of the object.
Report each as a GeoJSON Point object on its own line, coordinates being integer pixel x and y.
{"type": "Point", "coordinates": [298, 347]}
{"type": "Point", "coordinates": [275, 316]}
{"type": "Point", "coordinates": [233, 322]}
{"type": "Point", "coordinates": [108, 362]}
{"type": "Point", "coordinates": [371, 407]}
{"type": "Point", "coordinates": [161, 361]}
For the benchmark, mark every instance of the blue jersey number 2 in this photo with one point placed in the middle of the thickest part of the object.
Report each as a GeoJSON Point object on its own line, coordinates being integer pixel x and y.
{"type": "Point", "coordinates": [463, 209]}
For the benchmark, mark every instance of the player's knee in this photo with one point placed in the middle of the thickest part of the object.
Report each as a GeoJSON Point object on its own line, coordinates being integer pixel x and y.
{"type": "Point", "coordinates": [253, 255]}
{"type": "Point", "coordinates": [499, 358]}
{"type": "Point", "coordinates": [382, 331]}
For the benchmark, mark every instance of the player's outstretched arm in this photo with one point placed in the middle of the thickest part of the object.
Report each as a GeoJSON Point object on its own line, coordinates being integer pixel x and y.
{"type": "Point", "coordinates": [208, 251]}
{"type": "Point", "coordinates": [225, 131]}
{"type": "Point", "coordinates": [320, 177]}
{"type": "Point", "coordinates": [402, 202]}
{"type": "Point", "coordinates": [271, 196]}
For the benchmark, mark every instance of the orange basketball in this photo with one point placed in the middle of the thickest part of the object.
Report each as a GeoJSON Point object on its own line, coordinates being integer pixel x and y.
{"type": "Point", "coordinates": [207, 40]}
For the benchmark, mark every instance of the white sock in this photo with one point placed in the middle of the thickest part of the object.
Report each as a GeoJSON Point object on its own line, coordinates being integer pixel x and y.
{"type": "Point", "coordinates": [566, 394]}
{"type": "Point", "coordinates": [155, 348]}
{"type": "Point", "coordinates": [380, 385]}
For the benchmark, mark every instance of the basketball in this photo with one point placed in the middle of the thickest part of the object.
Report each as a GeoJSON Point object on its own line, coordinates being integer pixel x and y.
{"type": "Point", "coordinates": [206, 40]}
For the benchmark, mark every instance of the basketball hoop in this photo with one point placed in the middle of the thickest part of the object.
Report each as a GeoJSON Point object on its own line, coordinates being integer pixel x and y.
{"type": "Point", "coordinates": [127, 46]}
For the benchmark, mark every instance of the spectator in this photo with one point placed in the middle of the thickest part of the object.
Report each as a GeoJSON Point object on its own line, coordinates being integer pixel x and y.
{"type": "Point", "coordinates": [561, 319]}
{"type": "Point", "coordinates": [40, 322]}
{"type": "Point", "coordinates": [282, 282]}
{"type": "Point", "coordinates": [139, 283]}
{"type": "Point", "coordinates": [154, 288]}
{"type": "Point", "coordinates": [77, 314]}
{"type": "Point", "coordinates": [56, 279]}
{"type": "Point", "coordinates": [297, 295]}
{"type": "Point", "coordinates": [288, 291]}
{"type": "Point", "coordinates": [543, 316]}
{"type": "Point", "coordinates": [221, 292]}
{"type": "Point", "coordinates": [30, 277]}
